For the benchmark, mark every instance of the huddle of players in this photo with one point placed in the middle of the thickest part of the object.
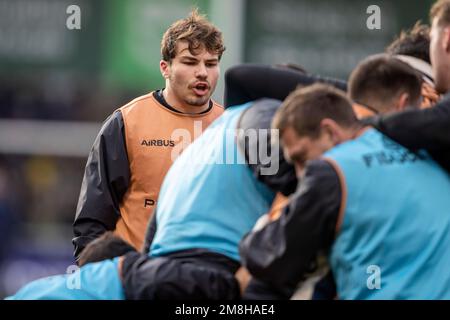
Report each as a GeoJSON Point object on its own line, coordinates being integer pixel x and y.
{"type": "Point", "coordinates": [356, 197]}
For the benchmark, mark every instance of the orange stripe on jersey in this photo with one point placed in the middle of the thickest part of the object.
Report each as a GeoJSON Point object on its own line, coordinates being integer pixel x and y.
{"type": "Point", "coordinates": [343, 193]}
{"type": "Point", "coordinates": [362, 111]}
{"type": "Point", "coordinates": [278, 204]}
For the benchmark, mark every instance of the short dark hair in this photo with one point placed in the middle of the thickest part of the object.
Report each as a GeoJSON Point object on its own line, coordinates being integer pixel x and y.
{"type": "Point", "coordinates": [306, 107]}
{"type": "Point", "coordinates": [107, 246]}
{"type": "Point", "coordinates": [378, 80]}
{"type": "Point", "coordinates": [414, 42]}
{"type": "Point", "coordinates": [441, 11]}
{"type": "Point", "coordinates": [197, 31]}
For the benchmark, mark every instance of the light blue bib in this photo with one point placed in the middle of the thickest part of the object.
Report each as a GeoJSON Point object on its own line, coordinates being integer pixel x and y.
{"type": "Point", "coordinates": [210, 198]}
{"type": "Point", "coordinates": [94, 281]}
{"type": "Point", "coordinates": [394, 241]}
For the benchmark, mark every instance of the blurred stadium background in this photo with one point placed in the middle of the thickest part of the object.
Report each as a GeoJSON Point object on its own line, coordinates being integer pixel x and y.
{"type": "Point", "coordinates": [58, 85]}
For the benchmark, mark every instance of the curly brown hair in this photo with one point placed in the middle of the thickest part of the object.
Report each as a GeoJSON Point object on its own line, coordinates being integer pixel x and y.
{"type": "Point", "coordinates": [197, 31]}
{"type": "Point", "coordinates": [414, 42]}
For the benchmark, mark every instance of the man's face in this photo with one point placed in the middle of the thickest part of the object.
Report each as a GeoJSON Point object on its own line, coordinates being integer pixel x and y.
{"type": "Point", "coordinates": [440, 56]}
{"type": "Point", "coordinates": [191, 79]}
{"type": "Point", "coordinates": [298, 150]}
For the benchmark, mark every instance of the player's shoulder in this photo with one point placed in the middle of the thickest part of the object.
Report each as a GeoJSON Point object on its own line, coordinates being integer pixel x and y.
{"type": "Point", "coordinates": [217, 105]}
{"type": "Point", "coordinates": [136, 102]}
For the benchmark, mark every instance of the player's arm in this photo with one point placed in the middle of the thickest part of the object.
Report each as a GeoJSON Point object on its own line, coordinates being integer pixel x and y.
{"type": "Point", "coordinates": [286, 249]}
{"type": "Point", "coordinates": [427, 129]}
{"type": "Point", "coordinates": [248, 82]}
{"type": "Point", "coordinates": [106, 179]}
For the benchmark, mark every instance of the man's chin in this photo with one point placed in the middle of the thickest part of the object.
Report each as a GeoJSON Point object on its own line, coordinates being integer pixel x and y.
{"type": "Point", "coordinates": [198, 102]}
{"type": "Point", "coordinates": [442, 87]}
{"type": "Point", "coordinates": [442, 81]}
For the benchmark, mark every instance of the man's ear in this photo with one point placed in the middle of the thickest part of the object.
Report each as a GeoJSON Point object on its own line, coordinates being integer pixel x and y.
{"type": "Point", "coordinates": [403, 102]}
{"type": "Point", "coordinates": [330, 128]}
{"type": "Point", "coordinates": [164, 67]}
{"type": "Point", "coordinates": [446, 39]}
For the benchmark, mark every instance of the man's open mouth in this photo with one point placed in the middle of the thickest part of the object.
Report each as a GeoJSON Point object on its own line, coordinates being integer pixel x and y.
{"type": "Point", "coordinates": [200, 89]}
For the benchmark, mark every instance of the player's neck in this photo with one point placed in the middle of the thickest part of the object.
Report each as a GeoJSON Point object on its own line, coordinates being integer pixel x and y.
{"type": "Point", "coordinates": [181, 106]}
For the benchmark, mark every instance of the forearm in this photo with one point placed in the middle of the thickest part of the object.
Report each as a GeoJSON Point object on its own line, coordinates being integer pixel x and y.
{"type": "Point", "coordinates": [419, 129]}
{"type": "Point", "coordinates": [427, 129]}
{"type": "Point", "coordinates": [249, 82]}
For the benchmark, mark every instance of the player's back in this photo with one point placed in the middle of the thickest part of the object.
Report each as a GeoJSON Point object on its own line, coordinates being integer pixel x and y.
{"type": "Point", "coordinates": [210, 197]}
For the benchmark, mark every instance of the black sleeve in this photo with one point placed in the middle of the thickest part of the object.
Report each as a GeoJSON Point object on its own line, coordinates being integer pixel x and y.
{"type": "Point", "coordinates": [286, 249]}
{"type": "Point", "coordinates": [248, 82]}
{"type": "Point", "coordinates": [150, 233]}
{"type": "Point", "coordinates": [427, 129]}
{"type": "Point", "coordinates": [106, 179]}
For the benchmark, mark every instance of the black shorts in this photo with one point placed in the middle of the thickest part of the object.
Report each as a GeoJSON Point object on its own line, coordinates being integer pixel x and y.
{"type": "Point", "coordinates": [187, 275]}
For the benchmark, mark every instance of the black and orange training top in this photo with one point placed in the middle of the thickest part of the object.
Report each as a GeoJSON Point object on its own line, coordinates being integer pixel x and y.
{"type": "Point", "coordinates": [126, 166]}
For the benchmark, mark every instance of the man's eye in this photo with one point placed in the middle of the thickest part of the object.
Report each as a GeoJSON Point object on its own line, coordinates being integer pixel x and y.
{"type": "Point", "coordinates": [211, 65]}
{"type": "Point", "coordinates": [189, 63]}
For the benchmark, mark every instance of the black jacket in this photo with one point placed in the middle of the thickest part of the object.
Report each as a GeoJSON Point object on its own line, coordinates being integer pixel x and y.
{"type": "Point", "coordinates": [105, 181]}
{"type": "Point", "coordinates": [427, 129]}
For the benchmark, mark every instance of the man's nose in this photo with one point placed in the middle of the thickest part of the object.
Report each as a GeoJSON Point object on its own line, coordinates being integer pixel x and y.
{"type": "Point", "coordinates": [201, 71]}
